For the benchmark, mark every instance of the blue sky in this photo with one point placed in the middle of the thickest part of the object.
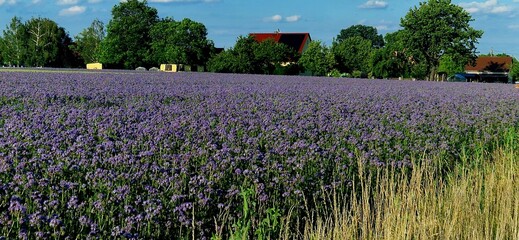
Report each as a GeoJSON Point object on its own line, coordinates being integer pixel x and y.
{"type": "Point", "coordinates": [228, 19]}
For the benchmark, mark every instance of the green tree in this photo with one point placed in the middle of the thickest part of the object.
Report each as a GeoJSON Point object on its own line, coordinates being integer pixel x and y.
{"type": "Point", "coordinates": [382, 63]}
{"type": "Point", "coordinates": [450, 65]}
{"type": "Point", "coordinates": [318, 59]}
{"type": "Point", "coordinates": [88, 42]}
{"type": "Point", "coordinates": [353, 54]}
{"type": "Point", "coordinates": [243, 53]}
{"type": "Point", "coordinates": [395, 60]}
{"type": "Point", "coordinates": [268, 54]}
{"type": "Point", "coordinates": [249, 56]}
{"type": "Point", "coordinates": [43, 42]}
{"type": "Point", "coordinates": [222, 62]}
{"type": "Point", "coordinates": [180, 42]}
{"type": "Point", "coordinates": [514, 70]}
{"type": "Point", "coordinates": [2, 46]}
{"type": "Point", "coordinates": [438, 27]}
{"type": "Point", "coordinates": [239, 59]}
{"type": "Point", "coordinates": [65, 58]}
{"type": "Point", "coordinates": [366, 32]}
{"type": "Point", "coordinates": [127, 43]}
{"type": "Point", "coordinates": [14, 43]}
{"type": "Point", "coordinates": [390, 61]}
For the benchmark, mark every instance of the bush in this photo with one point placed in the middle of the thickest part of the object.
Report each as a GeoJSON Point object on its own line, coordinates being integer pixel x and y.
{"type": "Point", "coordinates": [290, 69]}
{"type": "Point", "coordinates": [357, 74]}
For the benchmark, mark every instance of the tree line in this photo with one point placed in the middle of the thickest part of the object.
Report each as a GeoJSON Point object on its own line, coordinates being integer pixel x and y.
{"type": "Point", "coordinates": [134, 37]}
{"type": "Point", "coordinates": [435, 38]}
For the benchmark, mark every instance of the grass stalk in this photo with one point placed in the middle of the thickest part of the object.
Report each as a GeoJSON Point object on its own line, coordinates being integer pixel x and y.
{"type": "Point", "coordinates": [475, 201]}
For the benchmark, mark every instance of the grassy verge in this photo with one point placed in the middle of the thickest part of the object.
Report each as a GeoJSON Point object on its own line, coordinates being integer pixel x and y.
{"type": "Point", "coordinates": [478, 200]}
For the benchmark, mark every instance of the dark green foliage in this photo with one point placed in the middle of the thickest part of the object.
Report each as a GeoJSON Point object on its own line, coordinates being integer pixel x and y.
{"type": "Point", "coordinates": [128, 42]}
{"type": "Point", "coordinates": [249, 56]}
{"type": "Point", "coordinates": [390, 61]}
{"type": "Point", "coordinates": [394, 60]}
{"type": "Point", "coordinates": [65, 56]}
{"type": "Point", "coordinates": [382, 65]}
{"type": "Point", "coordinates": [182, 42]}
{"type": "Point", "coordinates": [317, 59]}
{"type": "Point", "coordinates": [352, 54]}
{"type": "Point", "coordinates": [239, 59]}
{"type": "Point", "coordinates": [223, 62]}
{"type": "Point", "coordinates": [290, 69]}
{"type": "Point", "coordinates": [366, 32]}
{"type": "Point", "coordinates": [269, 53]}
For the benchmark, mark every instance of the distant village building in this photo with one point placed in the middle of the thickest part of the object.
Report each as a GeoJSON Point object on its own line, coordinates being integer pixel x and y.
{"type": "Point", "coordinates": [297, 41]}
{"type": "Point", "coordinates": [489, 69]}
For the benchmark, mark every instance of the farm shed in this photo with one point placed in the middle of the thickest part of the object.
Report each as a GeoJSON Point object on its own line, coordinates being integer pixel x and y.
{"type": "Point", "coordinates": [489, 69]}
{"type": "Point", "coordinates": [169, 67]}
{"type": "Point", "coordinates": [94, 66]}
{"type": "Point", "coordinates": [181, 68]}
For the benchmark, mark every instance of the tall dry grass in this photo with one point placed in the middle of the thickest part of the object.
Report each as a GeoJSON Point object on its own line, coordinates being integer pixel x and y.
{"type": "Point", "coordinates": [479, 199]}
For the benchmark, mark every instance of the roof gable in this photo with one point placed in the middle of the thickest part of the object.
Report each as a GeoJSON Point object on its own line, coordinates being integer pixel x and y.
{"type": "Point", "coordinates": [490, 64]}
{"type": "Point", "coordinates": [296, 41]}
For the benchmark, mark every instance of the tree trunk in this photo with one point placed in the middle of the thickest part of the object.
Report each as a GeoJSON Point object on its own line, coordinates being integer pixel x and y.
{"type": "Point", "coordinates": [433, 74]}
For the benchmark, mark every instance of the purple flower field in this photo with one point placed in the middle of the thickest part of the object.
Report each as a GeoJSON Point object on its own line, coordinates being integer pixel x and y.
{"type": "Point", "coordinates": [158, 155]}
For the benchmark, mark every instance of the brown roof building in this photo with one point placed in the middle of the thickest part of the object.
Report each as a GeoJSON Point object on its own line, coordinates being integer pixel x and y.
{"type": "Point", "coordinates": [297, 41]}
{"type": "Point", "coordinates": [489, 69]}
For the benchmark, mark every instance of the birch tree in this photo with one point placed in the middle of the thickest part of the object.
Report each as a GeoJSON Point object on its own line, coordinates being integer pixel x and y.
{"type": "Point", "coordinates": [88, 42]}
{"type": "Point", "coordinates": [13, 43]}
{"type": "Point", "coordinates": [42, 42]}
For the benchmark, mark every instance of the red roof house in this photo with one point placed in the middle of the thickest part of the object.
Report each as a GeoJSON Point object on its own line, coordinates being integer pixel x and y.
{"type": "Point", "coordinates": [297, 41]}
{"type": "Point", "coordinates": [489, 69]}
{"type": "Point", "coordinates": [490, 64]}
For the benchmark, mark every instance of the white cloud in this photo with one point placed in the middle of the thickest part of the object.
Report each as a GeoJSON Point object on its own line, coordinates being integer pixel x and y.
{"type": "Point", "coordinates": [294, 18]}
{"type": "Point", "coordinates": [489, 6]}
{"type": "Point", "coordinates": [75, 10]}
{"type": "Point", "coordinates": [279, 18]}
{"type": "Point", "coordinates": [374, 4]}
{"type": "Point", "coordinates": [382, 27]}
{"type": "Point", "coordinates": [10, 2]}
{"type": "Point", "coordinates": [514, 26]}
{"type": "Point", "coordinates": [275, 18]}
{"type": "Point", "coordinates": [67, 2]}
{"type": "Point", "coordinates": [501, 9]}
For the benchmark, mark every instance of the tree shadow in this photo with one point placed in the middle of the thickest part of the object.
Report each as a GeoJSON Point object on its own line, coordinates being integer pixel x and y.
{"type": "Point", "coordinates": [495, 67]}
